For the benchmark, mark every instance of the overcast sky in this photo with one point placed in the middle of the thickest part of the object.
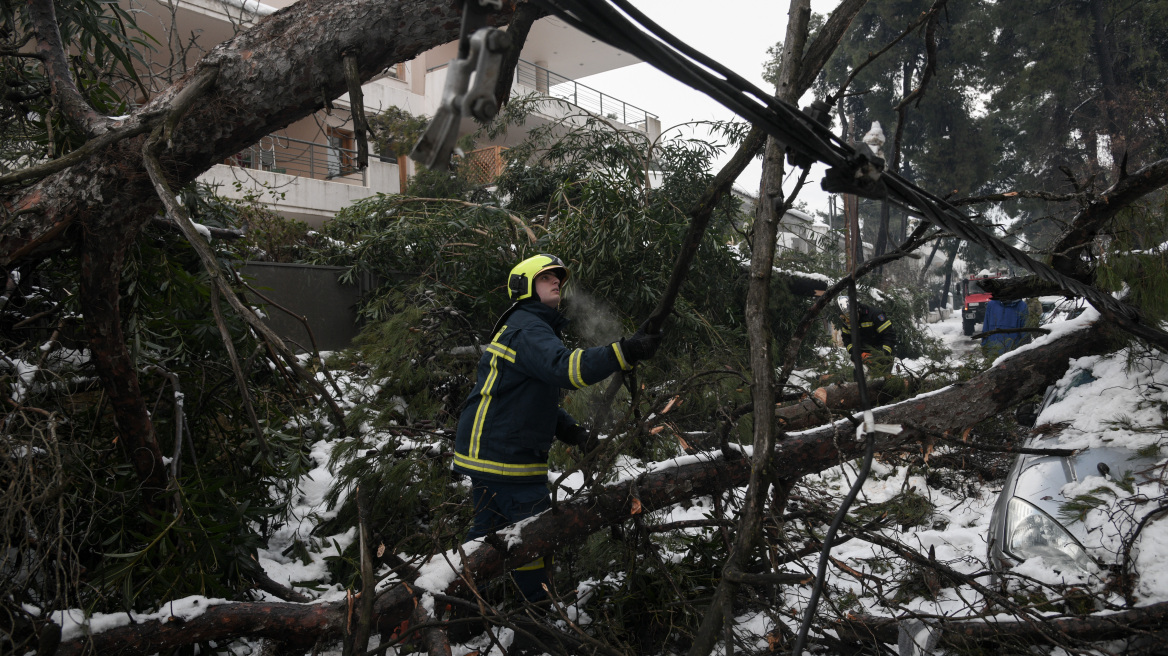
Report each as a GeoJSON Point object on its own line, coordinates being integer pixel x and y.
{"type": "Point", "coordinates": [735, 33]}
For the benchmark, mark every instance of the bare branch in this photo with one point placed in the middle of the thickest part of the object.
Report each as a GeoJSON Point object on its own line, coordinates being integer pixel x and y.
{"type": "Point", "coordinates": [873, 56]}
{"type": "Point", "coordinates": [962, 632]}
{"type": "Point", "coordinates": [211, 266]}
{"type": "Point", "coordinates": [177, 214]}
{"type": "Point", "coordinates": [930, 59]}
{"type": "Point", "coordinates": [768, 212]}
{"type": "Point", "coordinates": [87, 150]}
{"type": "Point", "coordinates": [826, 41]}
{"type": "Point", "coordinates": [236, 369]}
{"type": "Point", "coordinates": [217, 233]}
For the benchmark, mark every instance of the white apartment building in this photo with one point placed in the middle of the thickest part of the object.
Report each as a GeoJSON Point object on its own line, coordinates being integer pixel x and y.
{"type": "Point", "coordinates": [306, 171]}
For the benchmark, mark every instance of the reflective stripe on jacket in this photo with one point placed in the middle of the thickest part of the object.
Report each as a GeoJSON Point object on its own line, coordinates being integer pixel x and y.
{"type": "Point", "coordinates": [513, 413]}
{"type": "Point", "coordinates": [876, 332]}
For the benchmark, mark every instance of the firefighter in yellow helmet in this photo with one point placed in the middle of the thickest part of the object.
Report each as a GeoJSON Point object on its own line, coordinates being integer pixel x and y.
{"type": "Point", "coordinates": [513, 412]}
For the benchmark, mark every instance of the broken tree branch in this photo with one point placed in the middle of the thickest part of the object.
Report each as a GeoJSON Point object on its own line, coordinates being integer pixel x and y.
{"type": "Point", "coordinates": [1029, 617]}
{"type": "Point", "coordinates": [1100, 210]}
{"type": "Point", "coordinates": [816, 408]}
{"type": "Point", "coordinates": [279, 70]}
{"type": "Point", "coordinates": [216, 233]}
{"type": "Point", "coordinates": [211, 265]}
{"type": "Point", "coordinates": [1015, 195]}
{"type": "Point", "coordinates": [918, 94]}
{"type": "Point", "coordinates": [237, 370]}
{"type": "Point", "coordinates": [769, 211]}
{"type": "Point", "coordinates": [1009, 331]}
{"type": "Point", "coordinates": [73, 157]}
{"type": "Point", "coordinates": [873, 56]}
{"type": "Point", "coordinates": [357, 109]}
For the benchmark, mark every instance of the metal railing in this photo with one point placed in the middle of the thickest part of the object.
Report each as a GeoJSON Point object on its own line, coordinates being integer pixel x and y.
{"type": "Point", "coordinates": [308, 159]}
{"type": "Point", "coordinates": [581, 95]}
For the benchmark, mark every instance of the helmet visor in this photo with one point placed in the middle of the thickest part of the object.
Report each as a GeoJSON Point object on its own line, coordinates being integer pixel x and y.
{"type": "Point", "coordinates": [843, 303]}
{"type": "Point", "coordinates": [558, 269]}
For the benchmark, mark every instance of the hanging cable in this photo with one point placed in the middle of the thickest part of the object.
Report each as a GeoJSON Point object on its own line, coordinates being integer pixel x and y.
{"type": "Point", "coordinates": [659, 48]}
{"type": "Point", "coordinates": [612, 21]}
{"type": "Point", "coordinates": [861, 475]}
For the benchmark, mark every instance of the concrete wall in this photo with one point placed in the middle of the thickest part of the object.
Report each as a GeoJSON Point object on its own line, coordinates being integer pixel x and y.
{"type": "Point", "coordinates": [307, 291]}
{"type": "Point", "coordinates": [306, 199]}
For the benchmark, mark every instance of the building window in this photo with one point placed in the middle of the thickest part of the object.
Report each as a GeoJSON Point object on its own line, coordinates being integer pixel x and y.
{"type": "Point", "coordinates": [397, 72]}
{"type": "Point", "coordinates": [341, 155]}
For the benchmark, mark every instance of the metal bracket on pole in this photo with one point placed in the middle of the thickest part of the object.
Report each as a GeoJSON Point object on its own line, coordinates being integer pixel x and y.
{"type": "Point", "coordinates": [470, 85]}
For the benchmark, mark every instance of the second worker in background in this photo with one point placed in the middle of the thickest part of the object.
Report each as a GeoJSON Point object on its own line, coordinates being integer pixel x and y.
{"type": "Point", "coordinates": [877, 337]}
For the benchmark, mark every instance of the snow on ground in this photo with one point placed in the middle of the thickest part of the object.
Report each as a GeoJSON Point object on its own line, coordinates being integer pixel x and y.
{"type": "Point", "coordinates": [308, 509]}
{"type": "Point", "coordinates": [75, 624]}
{"type": "Point", "coordinates": [949, 331]}
{"type": "Point", "coordinates": [955, 533]}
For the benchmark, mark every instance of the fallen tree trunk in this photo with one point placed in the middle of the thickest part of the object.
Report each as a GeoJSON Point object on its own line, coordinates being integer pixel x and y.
{"type": "Point", "coordinates": [950, 410]}
{"type": "Point", "coordinates": [1083, 229]}
{"type": "Point", "coordinates": [1066, 254]}
{"type": "Point", "coordinates": [973, 632]}
{"type": "Point", "coordinates": [825, 403]}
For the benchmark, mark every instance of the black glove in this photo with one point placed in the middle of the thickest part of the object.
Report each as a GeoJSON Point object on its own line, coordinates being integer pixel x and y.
{"type": "Point", "coordinates": [579, 436]}
{"type": "Point", "coordinates": [588, 442]}
{"type": "Point", "coordinates": [640, 346]}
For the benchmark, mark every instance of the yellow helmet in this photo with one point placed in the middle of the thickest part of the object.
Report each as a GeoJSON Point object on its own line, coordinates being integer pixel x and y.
{"type": "Point", "coordinates": [521, 282]}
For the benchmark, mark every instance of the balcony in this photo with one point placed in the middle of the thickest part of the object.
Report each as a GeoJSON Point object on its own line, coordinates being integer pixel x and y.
{"type": "Point", "coordinates": [304, 180]}
{"type": "Point", "coordinates": [306, 159]}
{"type": "Point", "coordinates": [531, 78]}
{"type": "Point", "coordinates": [552, 84]}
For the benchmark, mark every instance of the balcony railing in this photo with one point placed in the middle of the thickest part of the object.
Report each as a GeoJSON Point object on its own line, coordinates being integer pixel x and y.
{"type": "Point", "coordinates": [303, 158]}
{"type": "Point", "coordinates": [581, 95]}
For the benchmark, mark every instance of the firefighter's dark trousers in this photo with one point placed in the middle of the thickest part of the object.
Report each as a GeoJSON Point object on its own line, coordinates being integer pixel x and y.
{"type": "Point", "coordinates": [498, 505]}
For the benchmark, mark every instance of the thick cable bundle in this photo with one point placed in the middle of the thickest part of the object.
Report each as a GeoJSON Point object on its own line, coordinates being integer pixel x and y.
{"type": "Point", "coordinates": [619, 24]}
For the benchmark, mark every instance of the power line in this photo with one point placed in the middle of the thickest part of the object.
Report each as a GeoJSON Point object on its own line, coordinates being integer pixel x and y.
{"type": "Point", "coordinates": [621, 25]}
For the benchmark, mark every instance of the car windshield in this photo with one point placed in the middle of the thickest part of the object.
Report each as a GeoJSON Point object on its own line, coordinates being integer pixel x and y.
{"type": "Point", "coordinates": [974, 288]}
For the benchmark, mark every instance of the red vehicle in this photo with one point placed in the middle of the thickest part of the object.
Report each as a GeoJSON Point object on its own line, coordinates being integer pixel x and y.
{"type": "Point", "coordinates": [975, 299]}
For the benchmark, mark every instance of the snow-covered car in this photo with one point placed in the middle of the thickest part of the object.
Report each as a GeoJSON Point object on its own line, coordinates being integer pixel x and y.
{"type": "Point", "coordinates": [1067, 515]}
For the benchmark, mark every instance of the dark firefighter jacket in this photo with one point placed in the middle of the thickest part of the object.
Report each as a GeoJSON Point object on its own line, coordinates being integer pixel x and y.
{"type": "Point", "coordinates": [513, 413]}
{"type": "Point", "coordinates": [876, 332]}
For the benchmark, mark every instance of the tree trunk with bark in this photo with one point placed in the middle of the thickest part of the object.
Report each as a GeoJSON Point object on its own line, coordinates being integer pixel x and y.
{"type": "Point", "coordinates": [950, 258]}
{"type": "Point", "coordinates": [980, 634]}
{"type": "Point", "coordinates": [285, 68]}
{"type": "Point", "coordinates": [827, 403]}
